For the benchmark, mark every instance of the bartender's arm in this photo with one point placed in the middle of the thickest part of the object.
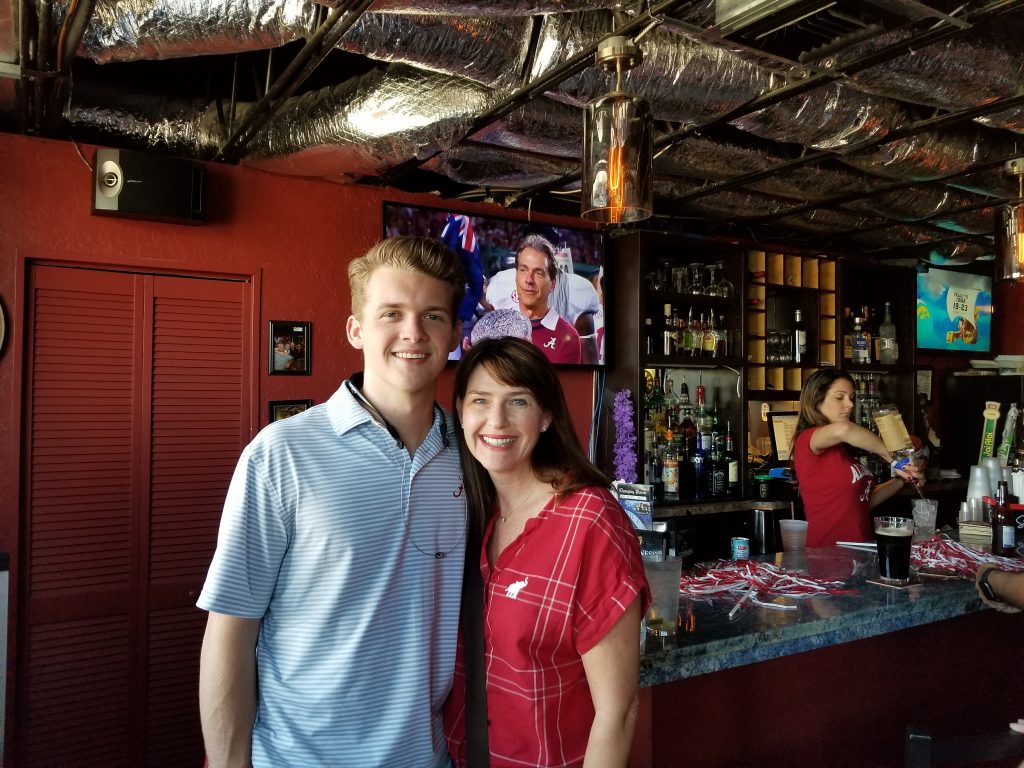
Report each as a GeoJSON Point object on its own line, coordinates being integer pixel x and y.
{"type": "Point", "coordinates": [227, 689]}
{"type": "Point", "coordinates": [866, 440]}
{"type": "Point", "coordinates": [1005, 590]}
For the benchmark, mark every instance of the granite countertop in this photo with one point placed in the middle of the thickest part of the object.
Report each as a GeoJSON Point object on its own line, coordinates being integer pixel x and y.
{"type": "Point", "coordinates": [708, 641]}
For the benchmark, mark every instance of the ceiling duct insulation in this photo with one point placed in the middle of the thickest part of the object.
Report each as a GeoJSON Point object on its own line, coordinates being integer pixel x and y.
{"type": "Point", "coordinates": [931, 155]}
{"type": "Point", "coordinates": [975, 68]}
{"type": "Point", "coordinates": [685, 81]}
{"type": "Point", "coordinates": [489, 7]}
{"type": "Point", "coordinates": [830, 117]}
{"type": "Point", "coordinates": [543, 125]}
{"type": "Point", "coordinates": [826, 220]}
{"type": "Point", "coordinates": [816, 182]}
{"type": "Point", "coordinates": [491, 167]}
{"type": "Point", "coordinates": [491, 51]}
{"type": "Point", "coordinates": [906, 204]}
{"type": "Point", "coordinates": [132, 30]}
{"type": "Point", "coordinates": [735, 204]}
{"type": "Point", "coordinates": [991, 181]}
{"type": "Point", "coordinates": [701, 157]}
{"type": "Point", "coordinates": [187, 127]}
{"type": "Point", "coordinates": [978, 221]}
{"type": "Point", "coordinates": [369, 124]}
{"type": "Point", "coordinates": [953, 254]}
{"type": "Point", "coordinates": [901, 235]}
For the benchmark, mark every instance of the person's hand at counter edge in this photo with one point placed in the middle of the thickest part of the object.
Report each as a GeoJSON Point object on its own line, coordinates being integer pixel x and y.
{"type": "Point", "coordinates": [1000, 589]}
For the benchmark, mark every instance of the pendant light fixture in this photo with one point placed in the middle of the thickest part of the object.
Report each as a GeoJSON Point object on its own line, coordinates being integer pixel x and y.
{"type": "Point", "coordinates": [1010, 228]}
{"type": "Point", "coordinates": [617, 145]}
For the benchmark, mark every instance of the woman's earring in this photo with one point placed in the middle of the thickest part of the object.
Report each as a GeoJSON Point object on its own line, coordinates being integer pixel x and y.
{"type": "Point", "coordinates": [544, 428]}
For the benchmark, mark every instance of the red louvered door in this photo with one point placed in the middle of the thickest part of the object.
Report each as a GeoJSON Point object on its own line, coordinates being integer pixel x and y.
{"type": "Point", "coordinates": [139, 404]}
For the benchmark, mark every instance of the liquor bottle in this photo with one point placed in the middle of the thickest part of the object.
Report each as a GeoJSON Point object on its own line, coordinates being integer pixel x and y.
{"type": "Point", "coordinates": [695, 328]}
{"type": "Point", "coordinates": [719, 471]}
{"type": "Point", "coordinates": [861, 342]}
{"type": "Point", "coordinates": [894, 434]}
{"type": "Point", "coordinates": [649, 336]}
{"type": "Point", "coordinates": [700, 480]}
{"type": "Point", "coordinates": [687, 477]}
{"type": "Point", "coordinates": [684, 391]}
{"type": "Point", "coordinates": [711, 341]}
{"type": "Point", "coordinates": [670, 468]}
{"type": "Point", "coordinates": [671, 404]}
{"type": "Point", "coordinates": [799, 339]}
{"type": "Point", "coordinates": [1004, 528]}
{"type": "Point", "coordinates": [847, 334]}
{"type": "Point", "coordinates": [888, 352]}
{"type": "Point", "coordinates": [668, 333]}
{"type": "Point", "coordinates": [733, 466]}
{"type": "Point", "coordinates": [724, 338]}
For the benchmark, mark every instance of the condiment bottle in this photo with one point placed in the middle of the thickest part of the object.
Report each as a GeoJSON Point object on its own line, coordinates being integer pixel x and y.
{"type": "Point", "coordinates": [1004, 529]}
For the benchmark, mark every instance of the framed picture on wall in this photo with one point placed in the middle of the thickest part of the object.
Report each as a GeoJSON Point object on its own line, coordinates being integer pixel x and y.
{"type": "Point", "coordinates": [289, 348]}
{"type": "Point", "coordinates": [282, 409]}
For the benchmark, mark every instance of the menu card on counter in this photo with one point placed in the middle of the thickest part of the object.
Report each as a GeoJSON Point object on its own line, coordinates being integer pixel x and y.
{"type": "Point", "coordinates": [638, 501]}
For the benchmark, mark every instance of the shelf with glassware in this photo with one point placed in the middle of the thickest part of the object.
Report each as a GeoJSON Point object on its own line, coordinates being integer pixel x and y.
{"type": "Point", "coordinates": [878, 334]}
{"type": "Point", "coordinates": [790, 322]}
{"type": "Point", "coordinates": [675, 335]}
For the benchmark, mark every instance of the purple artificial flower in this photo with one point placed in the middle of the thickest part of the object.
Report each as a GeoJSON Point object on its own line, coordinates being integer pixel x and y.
{"type": "Point", "coordinates": [625, 437]}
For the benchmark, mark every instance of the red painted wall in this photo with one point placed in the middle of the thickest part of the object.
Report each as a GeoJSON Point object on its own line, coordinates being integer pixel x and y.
{"type": "Point", "coordinates": [298, 234]}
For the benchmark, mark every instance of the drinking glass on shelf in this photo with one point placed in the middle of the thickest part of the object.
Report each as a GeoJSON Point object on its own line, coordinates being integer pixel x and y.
{"type": "Point", "coordinates": [680, 280]}
{"type": "Point", "coordinates": [712, 286]}
{"type": "Point", "coordinates": [725, 288]}
{"type": "Point", "coordinates": [697, 279]}
{"type": "Point", "coordinates": [772, 347]}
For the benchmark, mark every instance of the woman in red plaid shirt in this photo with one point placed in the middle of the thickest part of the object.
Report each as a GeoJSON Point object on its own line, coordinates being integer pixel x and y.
{"type": "Point", "coordinates": [564, 586]}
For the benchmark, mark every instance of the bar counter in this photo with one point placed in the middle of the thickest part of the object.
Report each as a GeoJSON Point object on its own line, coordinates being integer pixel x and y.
{"type": "Point", "coordinates": [708, 641]}
{"type": "Point", "coordinates": [805, 687]}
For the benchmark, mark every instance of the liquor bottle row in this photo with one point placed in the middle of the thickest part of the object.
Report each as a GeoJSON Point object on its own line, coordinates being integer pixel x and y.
{"type": "Point", "coordinates": [687, 455]}
{"type": "Point", "coordinates": [865, 340]}
{"type": "Point", "coordinates": [701, 334]}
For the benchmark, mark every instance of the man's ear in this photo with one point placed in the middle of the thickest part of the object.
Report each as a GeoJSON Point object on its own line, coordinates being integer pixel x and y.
{"type": "Point", "coordinates": [354, 331]}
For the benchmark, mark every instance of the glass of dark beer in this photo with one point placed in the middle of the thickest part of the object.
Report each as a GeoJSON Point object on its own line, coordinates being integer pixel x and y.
{"type": "Point", "coordinates": [893, 535]}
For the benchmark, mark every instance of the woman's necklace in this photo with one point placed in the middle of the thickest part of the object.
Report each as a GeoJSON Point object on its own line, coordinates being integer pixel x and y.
{"type": "Point", "coordinates": [504, 518]}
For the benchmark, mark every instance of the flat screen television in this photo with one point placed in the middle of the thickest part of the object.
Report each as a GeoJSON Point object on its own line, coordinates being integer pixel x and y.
{"type": "Point", "coordinates": [563, 315]}
{"type": "Point", "coordinates": [954, 311]}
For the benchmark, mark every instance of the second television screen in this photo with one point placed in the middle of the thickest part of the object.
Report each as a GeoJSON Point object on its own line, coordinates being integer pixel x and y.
{"type": "Point", "coordinates": [554, 298]}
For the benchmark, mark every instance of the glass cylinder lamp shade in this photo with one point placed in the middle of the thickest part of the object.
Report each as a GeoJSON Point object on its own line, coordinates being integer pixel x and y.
{"type": "Point", "coordinates": [617, 183]}
{"type": "Point", "coordinates": [1009, 242]}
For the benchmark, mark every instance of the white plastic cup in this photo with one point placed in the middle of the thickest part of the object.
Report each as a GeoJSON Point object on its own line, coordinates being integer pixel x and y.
{"type": "Point", "coordinates": [794, 534]}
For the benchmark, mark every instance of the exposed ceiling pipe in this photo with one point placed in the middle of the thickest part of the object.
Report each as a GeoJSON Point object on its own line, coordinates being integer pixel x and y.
{"type": "Point", "coordinates": [313, 52]}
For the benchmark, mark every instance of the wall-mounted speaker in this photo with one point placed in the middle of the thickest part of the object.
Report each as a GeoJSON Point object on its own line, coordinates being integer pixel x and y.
{"type": "Point", "coordinates": [142, 185]}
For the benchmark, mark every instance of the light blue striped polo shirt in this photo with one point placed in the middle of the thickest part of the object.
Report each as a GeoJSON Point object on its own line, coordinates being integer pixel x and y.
{"type": "Point", "coordinates": [331, 534]}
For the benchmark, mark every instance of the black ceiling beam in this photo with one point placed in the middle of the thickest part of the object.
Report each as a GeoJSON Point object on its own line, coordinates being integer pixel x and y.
{"type": "Point", "coordinates": [317, 48]}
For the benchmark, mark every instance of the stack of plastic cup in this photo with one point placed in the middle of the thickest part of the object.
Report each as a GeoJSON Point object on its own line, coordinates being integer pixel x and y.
{"type": "Point", "coordinates": [995, 473]}
{"type": "Point", "coordinates": [978, 483]}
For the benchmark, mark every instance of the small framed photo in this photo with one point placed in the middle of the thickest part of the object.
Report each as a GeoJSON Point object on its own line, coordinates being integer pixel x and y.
{"type": "Point", "coordinates": [289, 352]}
{"type": "Point", "coordinates": [282, 409]}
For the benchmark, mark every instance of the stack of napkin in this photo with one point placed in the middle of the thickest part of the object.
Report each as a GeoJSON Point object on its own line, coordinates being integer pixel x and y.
{"type": "Point", "coordinates": [975, 534]}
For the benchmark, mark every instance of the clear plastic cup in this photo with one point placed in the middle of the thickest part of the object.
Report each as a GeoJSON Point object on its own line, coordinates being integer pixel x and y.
{"type": "Point", "coordinates": [794, 534]}
{"type": "Point", "coordinates": [925, 512]}
{"type": "Point", "coordinates": [663, 578]}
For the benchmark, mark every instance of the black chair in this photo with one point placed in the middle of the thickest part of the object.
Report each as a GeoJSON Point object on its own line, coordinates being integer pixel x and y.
{"type": "Point", "coordinates": [924, 752]}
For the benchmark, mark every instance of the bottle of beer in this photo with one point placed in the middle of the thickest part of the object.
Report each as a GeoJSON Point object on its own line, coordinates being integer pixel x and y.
{"type": "Point", "coordinates": [1004, 529]}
